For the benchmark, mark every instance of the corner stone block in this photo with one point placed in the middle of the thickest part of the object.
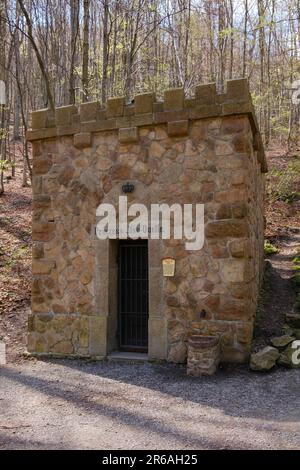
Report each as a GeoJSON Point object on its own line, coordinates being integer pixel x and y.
{"type": "Point", "coordinates": [63, 115]}
{"type": "Point", "coordinates": [115, 107]}
{"type": "Point", "coordinates": [98, 336]}
{"type": "Point", "coordinates": [206, 94]}
{"type": "Point", "coordinates": [157, 339]}
{"type": "Point", "coordinates": [237, 90]}
{"type": "Point", "coordinates": [178, 128]}
{"type": "Point", "coordinates": [143, 103]}
{"type": "Point", "coordinates": [128, 134]}
{"type": "Point", "coordinates": [89, 111]}
{"type": "Point", "coordinates": [173, 99]}
{"type": "Point", "coordinates": [82, 140]}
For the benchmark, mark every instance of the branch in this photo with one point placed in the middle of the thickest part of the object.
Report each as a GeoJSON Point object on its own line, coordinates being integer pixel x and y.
{"type": "Point", "coordinates": [38, 56]}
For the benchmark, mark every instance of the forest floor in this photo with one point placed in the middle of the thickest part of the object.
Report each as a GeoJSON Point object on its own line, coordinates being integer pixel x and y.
{"type": "Point", "coordinates": [81, 404]}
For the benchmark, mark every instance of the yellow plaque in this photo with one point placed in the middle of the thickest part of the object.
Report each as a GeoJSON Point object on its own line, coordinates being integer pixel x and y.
{"type": "Point", "coordinates": [168, 267]}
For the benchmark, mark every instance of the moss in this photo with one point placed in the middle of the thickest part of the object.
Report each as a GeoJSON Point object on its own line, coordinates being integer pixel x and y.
{"type": "Point", "coordinates": [270, 249]}
{"type": "Point", "coordinates": [296, 263]}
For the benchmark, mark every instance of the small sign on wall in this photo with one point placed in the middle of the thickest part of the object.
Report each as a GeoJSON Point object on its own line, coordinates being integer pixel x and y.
{"type": "Point", "coordinates": [168, 267]}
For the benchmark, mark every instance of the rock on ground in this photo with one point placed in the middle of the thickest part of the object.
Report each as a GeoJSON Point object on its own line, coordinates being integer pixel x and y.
{"type": "Point", "coordinates": [282, 341]}
{"type": "Point", "coordinates": [265, 359]}
{"type": "Point", "coordinates": [290, 357]}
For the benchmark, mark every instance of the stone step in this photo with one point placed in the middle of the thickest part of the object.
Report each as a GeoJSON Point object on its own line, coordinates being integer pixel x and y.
{"type": "Point", "coordinates": [122, 356]}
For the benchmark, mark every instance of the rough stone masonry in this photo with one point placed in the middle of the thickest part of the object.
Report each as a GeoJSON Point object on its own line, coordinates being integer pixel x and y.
{"type": "Point", "coordinates": [206, 149]}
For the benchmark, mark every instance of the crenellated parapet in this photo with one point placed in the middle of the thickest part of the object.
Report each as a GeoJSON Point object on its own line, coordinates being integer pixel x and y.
{"type": "Point", "coordinates": [175, 111]}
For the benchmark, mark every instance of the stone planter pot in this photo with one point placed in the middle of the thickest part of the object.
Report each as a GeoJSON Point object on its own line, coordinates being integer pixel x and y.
{"type": "Point", "coordinates": [203, 355]}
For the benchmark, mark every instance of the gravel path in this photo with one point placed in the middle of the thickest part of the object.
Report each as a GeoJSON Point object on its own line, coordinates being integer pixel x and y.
{"type": "Point", "coordinates": [84, 405]}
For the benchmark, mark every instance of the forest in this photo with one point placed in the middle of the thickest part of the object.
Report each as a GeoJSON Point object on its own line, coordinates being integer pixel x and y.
{"type": "Point", "coordinates": [57, 52]}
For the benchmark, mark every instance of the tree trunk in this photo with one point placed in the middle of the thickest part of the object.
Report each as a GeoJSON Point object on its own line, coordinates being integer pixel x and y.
{"type": "Point", "coordinates": [85, 51]}
{"type": "Point", "coordinates": [105, 54]}
{"type": "Point", "coordinates": [74, 14]}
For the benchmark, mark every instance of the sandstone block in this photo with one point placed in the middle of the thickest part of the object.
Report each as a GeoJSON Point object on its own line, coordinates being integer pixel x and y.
{"type": "Point", "coordinates": [230, 228]}
{"type": "Point", "coordinates": [234, 124]}
{"type": "Point", "coordinates": [178, 128]}
{"type": "Point", "coordinates": [63, 115]}
{"type": "Point", "coordinates": [128, 135]}
{"type": "Point", "coordinates": [237, 90]}
{"type": "Point", "coordinates": [115, 107]}
{"type": "Point", "coordinates": [173, 99]}
{"type": "Point", "coordinates": [39, 119]}
{"type": "Point", "coordinates": [242, 107]}
{"type": "Point", "coordinates": [41, 165]}
{"type": "Point", "coordinates": [42, 266]}
{"type": "Point", "coordinates": [156, 150]}
{"type": "Point", "coordinates": [205, 111]}
{"type": "Point", "coordinates": [63, 347]}
{"type": "Point", "coordinates": [89, 111]}
{"type": "Point", "coordinates": [244, 332]}
{"type": "Point", "coordinates": [232, 270]}
{"type": "Point", "coordinates": [82, 140]}
{"type": "Point", "coordinates": [42, 231]}
{"type": "Point", "coordinates": [234, 310]}
{"type": "Point", "coordinates": [157, 348]}
{"type": "Point", "coordinates": [143, 103]}
{"type": "Point", "coordinates": [239, 248]}
{"type": "Point", "coordinates": [41, 201]}
{"type": "Point", "coordinates": [38, 250]}
{"type": "Point", "coordinates": [239, 210]}
{"type": "Point", "coordinates": [129, 110]}
{"type": "Point", "coordinates": [206, 94]}
{"type": "Point", "coordinates": [224, 212]}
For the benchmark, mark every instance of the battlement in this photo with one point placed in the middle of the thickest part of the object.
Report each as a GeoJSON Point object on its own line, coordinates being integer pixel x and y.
{"type": "Point", "coordinates": [175, 111]}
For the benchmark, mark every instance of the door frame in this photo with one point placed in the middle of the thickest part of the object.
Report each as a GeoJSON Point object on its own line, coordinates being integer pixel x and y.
{"type": "Point", "coordinates": [103, 325]}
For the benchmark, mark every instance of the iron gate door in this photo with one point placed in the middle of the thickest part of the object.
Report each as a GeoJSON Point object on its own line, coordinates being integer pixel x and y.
{"type": "Point", "coordinates": [133, 295]}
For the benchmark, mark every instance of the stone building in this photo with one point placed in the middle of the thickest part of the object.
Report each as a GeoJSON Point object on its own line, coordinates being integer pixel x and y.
{"type": "Point", "coordinates": [91, 297]}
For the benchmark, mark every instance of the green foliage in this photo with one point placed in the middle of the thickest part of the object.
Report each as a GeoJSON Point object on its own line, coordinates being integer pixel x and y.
{"type": "Point", "coordinates": [3, 133]}
{"type": "Point", "coordinates": [270, 249]}
{"type": "Point", "coordinates": [282, 183]}
{"type": "Point", "coordinates": [296, 262]}
{"type": "Point", "coordinates": [3, 165]}
{"type": "Point", "coordinates": [227, 32]}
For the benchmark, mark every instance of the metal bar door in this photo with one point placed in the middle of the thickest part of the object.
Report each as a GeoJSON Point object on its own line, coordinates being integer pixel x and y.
{"type": "Point", "coordinates": [133, 295]}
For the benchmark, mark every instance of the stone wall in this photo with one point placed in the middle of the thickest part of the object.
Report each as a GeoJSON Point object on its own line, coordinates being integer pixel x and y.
{"type": "Point", "coordinates": [205, 149]}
